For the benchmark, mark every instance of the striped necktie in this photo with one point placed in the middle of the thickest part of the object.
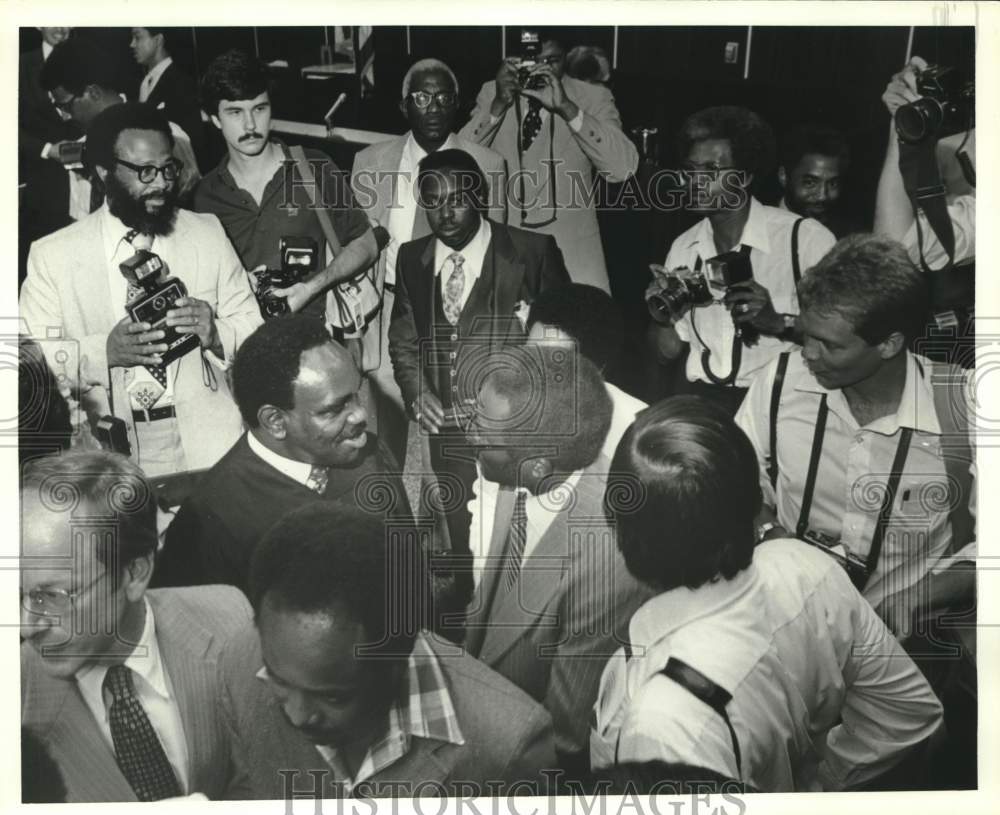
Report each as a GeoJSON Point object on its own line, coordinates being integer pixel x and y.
{"type": "Point", "coordinates": [517, 538]}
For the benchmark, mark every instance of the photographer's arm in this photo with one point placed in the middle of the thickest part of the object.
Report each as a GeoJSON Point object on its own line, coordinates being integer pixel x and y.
{"type": "Point", "coordinates": [354, 258]}
{"type": "Point", "coordinates": [491, 106]}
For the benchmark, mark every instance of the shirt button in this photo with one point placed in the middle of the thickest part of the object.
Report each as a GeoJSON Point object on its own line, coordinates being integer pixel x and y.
{"type": "Point", "coordinates": [454, 337]}
{"type": "Point", "coordinates": [453, 373]}
{"type": "Point", "coordinates": [452, 355]}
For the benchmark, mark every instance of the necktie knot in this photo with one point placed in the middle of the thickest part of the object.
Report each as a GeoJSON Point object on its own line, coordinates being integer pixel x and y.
{"type": "Point", "coordinates": [139, 240]}
{"type": "Point", "coordinates": [318, 479]}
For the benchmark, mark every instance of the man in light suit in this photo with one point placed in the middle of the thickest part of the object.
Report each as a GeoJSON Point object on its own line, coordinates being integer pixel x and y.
{"type": "Point", "coordinates": [384, 181]}
{"type": "Point", "coordinates": [555, 138]}
{"type": "Point", "coordinates": [178, 416]}
{"type": "Point", "coordinates": [338, 692]}
{"type": "Point", "coordinates": [118, 682]}
{"type": "Point", "coordinates": [553, 598]}
{"type": "Point", "coordinates": [458, 291]}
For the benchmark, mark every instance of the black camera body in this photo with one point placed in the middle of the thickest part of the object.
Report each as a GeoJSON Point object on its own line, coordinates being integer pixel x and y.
{"type": "Point", "coordinates": [531, 49]}
{"type": "Point", "coordinates": [856, 568]}
{"type": "Point", "coordinates": [112, 435]}
{"type": "Point", "coordinates": [299, 259]}
{"type": "Point", "coordinates": [159, 294]}
{"type": "Point", "coordinates": [947, 106]}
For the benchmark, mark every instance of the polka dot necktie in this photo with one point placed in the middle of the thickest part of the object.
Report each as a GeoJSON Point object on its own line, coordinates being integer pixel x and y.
{"type": "Point", "coordinates": [517, 538]}
{"type": "Point", "coordinates": [145, 393]}
{"type": "Point", "coordinates": [453, 288]}
{"type": "Point", "coordinates": [319, 477]}
{"type": "Point", "coordinates": [532, 124]}
{"type": "Point", "coordinates": [138, 750]}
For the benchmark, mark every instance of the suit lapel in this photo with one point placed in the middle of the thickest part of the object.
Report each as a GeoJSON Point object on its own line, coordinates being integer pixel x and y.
{"type": "Point", "coordinates": [90, 278]}
{"type": "Point", "coordinates": [386, 162]}
{"type": "Point", "coordinates": [496, 290]}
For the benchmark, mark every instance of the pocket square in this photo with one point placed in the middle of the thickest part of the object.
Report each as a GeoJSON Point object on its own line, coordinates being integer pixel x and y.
{"type": "Point", "coordinates": [161, 106]}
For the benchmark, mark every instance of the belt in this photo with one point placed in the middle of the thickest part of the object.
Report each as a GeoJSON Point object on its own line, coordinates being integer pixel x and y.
{"type": "Point", "coordinates": [154, 415]}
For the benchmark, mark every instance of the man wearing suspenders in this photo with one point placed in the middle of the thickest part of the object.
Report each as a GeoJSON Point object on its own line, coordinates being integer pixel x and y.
{"type": "Point", "coordinates": [723, 148]}
{"type": "Point", "coordinates": [864, 447]}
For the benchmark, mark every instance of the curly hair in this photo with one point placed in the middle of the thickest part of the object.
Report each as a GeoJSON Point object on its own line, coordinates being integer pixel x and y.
{"type": "Point", "coordinates": [700, 494]}
{"type": "Point", "coordinates": [750, 138]}
{"type": "Point", "coordinates": [234, 75]}
{"type": "Point", "coordinates": [813, 139]}
{"type": "Point", "coordinates": [267, 363]}
{"type": "Point", "coordinates": [872, 283]}
{"type": "Point", "coordinates": [587, 314]}
{"type": "Point", "coordinates": [108, 125]}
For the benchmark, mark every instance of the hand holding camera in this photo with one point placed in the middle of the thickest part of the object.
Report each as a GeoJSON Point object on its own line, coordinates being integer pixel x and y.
{"type": "Point", "coordinates": [130, 344]}
{"type": "Point", "coordinates": [750, 304]}
{"type": "Point", "coordinates": [280, 291]}
{"type": "Point", "coordinates": [194, 316]}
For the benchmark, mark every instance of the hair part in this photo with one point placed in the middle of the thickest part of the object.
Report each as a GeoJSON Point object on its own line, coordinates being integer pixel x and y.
{"type": "Point", "coordinates": [683, 494]}
{"type": "Point", "coordinates": [871, 282]}
{"type": "Point", "coordinates": [750, 138]}
{"type": "Point", "coordinates": [267, 363]}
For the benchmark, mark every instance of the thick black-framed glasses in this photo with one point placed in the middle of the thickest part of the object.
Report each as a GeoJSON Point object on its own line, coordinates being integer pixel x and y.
{"type": "Point", "coordinates": [422, 99]}
{"type": "Point", "coordinates": [147, 172]}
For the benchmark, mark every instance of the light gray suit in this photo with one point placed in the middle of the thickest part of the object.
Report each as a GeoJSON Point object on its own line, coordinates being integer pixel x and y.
{"type": "Point", "coordinates": [600, 146]}
{"type": "Point", "coordinates": [508, 737]}
{"type": "Point", "coordinates": [67, 289]}
{"type": "Point", "coordinates": [554, 631]}
{"type": "Point", "coordinates": [192, 625]}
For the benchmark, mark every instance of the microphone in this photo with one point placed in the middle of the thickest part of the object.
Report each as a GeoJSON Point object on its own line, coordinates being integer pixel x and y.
{"type": "Point", "coordinates": [328, 119]}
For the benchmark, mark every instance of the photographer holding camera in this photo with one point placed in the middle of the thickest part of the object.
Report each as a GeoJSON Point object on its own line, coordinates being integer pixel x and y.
{"type": "Point", "coordinates": [555, 132]}
{"type": "Point", "coordinates": [727, 287]}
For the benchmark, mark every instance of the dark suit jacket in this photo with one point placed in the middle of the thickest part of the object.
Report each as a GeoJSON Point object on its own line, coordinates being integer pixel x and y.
{"type": "Point", "coordinates": [242, 496]}
{"type": "Point", "coordinates": [176, 96]}
{"type": "Point", "coordinates": [508, 737]}
{"type": "Point", "coordinates": [518, 265]}
{"type": "Point", "coordinates": [569, 612]}
{"type": "Point", "coordinates": [192, 626]}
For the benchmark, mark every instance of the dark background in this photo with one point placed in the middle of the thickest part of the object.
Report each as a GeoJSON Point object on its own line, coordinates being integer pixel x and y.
{"type": "Point", "coordinates": [831, 75]}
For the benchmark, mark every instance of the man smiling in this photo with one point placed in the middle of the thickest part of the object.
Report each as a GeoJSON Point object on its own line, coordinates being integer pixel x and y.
{"type": "Point", "coordinates": [297, 390]}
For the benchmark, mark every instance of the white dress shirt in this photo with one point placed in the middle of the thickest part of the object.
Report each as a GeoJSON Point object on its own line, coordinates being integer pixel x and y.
{"type": "Point", "coordinates": [296, 470]}
{"type": "Point", "coordinates": [404, 205]}
{"type": "Point", "coordinates": [624, 408]}
{"type": "Point", "coordinates": [117, 250]}
{"type": "Point", "coordinates": [155, 693]}
{"type": "Point", "coordinates": [853, 470]}
{"type": "Point", "coordinates": [768, 231]}
{"type": "Point", "coordinates": [474, 253]}
{"type": "Point", "coordinates": [823, 697]}
{"type": "Point", "coordinates": [962, 214]}
{"type": "Point", "coordinates": [540, 510]}
{"type": "Point", "coordinates": [146, 88]}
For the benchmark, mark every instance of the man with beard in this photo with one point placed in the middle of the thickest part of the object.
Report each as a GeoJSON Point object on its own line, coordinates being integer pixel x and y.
{"type": "Point", "coordinates": [179, 416]}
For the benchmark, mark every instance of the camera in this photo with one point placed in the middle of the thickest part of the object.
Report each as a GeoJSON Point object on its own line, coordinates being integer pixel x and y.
{"type": "Point", "coordinates": [112, 435]}
{"type": "Point", "coordinates": [531, 49]}
{"type": "Point", "coordinates": [856, 568]}
{"type": "Point", "coordinates": [946, 107]}
{"type": "Point", "coordinates": [159, 292]}
{"type": "Point", "coordinates": [299, 259]}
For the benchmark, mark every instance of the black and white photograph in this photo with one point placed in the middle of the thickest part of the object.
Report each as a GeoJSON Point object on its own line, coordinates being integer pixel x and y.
{"type": "Point", "coordinates": [525, 410]}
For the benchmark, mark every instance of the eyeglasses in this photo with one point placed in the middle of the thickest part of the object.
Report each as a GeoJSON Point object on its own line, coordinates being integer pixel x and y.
{"type": "Point", "coordinates": [147, 172]}
{"type": "Point", "coordinates": [422, 99]}
{"type": "Point", "coordinates": [54, 602]}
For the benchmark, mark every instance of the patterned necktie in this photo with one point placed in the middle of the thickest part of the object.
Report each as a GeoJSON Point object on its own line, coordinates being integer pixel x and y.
{"type": "Point", "coordinates": [137, 747]}
{"type": "Point", "coordinates": [145, 395]}
{"type": "Point", "coordinates": [532, 124]}
{"type": "Point", "coordinates": [517, 537]}
{"type": "Point", "coordinates": [453, 288]}
{"type": "Point", "coordinates": [318, 478]}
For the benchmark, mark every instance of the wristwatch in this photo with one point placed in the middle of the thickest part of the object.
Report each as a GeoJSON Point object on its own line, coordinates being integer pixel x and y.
{"type": "Point", "coordinates": [763, 529]}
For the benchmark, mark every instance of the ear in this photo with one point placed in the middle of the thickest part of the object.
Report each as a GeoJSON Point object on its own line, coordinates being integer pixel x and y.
{"type": "Point", "coordinates": [272, 419]}
{"type": "Point", "coordinates": [92, 92]}
{"type": "Point", "coordinates": [102, 172]}
{"type": "Point", "coordinates": [402, 108]}
{"type": "Point", "coordinates": [215, 121]}
{"type": "Point", "coordinates": [892, 345]}
{"type": "Point", "coordinates": [538, 468]}
{"type": "Point", "coordinates": [137, 576]}
{"type": "Point", "coordinates": [782, 177]}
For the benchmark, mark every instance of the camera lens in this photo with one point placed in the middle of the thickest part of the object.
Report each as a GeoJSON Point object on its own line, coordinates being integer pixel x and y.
{"type": "Point", "coordinates": [919, 120]}
{"type": "Point", "coordinates": [159, 303]}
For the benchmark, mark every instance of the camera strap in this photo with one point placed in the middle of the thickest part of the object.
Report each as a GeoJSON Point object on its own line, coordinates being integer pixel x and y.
{"type": "Point", "coordinates": [520, 166]}
{"type": "Point", "coordinates": [922, 182]}
{"type": "Point", "coordinates": [888, 497]}
{"type": "Point", "coordinates": [736, 354]}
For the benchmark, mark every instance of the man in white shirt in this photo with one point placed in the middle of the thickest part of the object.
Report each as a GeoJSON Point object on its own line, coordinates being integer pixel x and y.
{"type": "Point", "coordinates": [553, 598]}
{"type": "Point", "coordinates": [119, 683]}
{"type": "Point", "coordinates": [384, 180]}
{"type": "Point", "coordinates": [763, 664]}
{"type": "Point", "coordinates": [178, 414]}
{"type": "Point", "coordinates": [724, 148]}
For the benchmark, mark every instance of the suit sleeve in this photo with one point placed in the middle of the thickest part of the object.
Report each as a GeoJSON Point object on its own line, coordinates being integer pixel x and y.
{"type": "Point", "coordinates": [404, 343]}
{"type": "Point", "coordinates": [236, 313]}
{"type": "Point", "coordinates": [479, 128]}
{"type": "Point", "coordinates": [602, 140]}
{"type": "Point", "coordinates": [239, 786]}
{"type": "Point", "coordinates": [554, 273]}
{"type": "Point", "coordinates": [41, 308]}
{"type": "Point", "coordinates": [535, 752]}
{"type": "Point", "coordinates": [497, 175]}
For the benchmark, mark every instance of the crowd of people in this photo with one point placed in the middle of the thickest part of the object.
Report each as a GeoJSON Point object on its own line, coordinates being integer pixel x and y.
{"type": "Point", "coordinates": [423, 545]}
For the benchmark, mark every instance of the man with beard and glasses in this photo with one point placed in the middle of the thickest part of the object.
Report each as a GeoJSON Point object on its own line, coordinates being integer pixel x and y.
{"type": "Point", "coordinates": [178, 416]}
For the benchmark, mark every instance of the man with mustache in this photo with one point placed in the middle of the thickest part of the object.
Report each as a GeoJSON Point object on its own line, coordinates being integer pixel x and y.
{"type": "Point", "coordinates": [180, 415]}
{"type": "Point", "coordinates": [814, 160]}
{"type": "Point", "coordinates": [259, 197]}
{"type": "Point", "coordinates": [306, 442]}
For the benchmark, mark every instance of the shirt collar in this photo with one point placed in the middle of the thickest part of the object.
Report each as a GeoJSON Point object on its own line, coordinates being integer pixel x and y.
{"type": "Point", "coordinates": [916, 405]}
{"type": "Point", "coordinates": [298, 471]}
{"type": "Point", "coordinates": [474, 251]}
{"type": "Point", "coordinates": [157, 71]}
{"type": "Point", "coordinates": [413, 153]}
{"type": "Point", "coordinates": [754, 232]}
{"type": "Point", "coordinates": [144, 661]}
{"type": "Point", "coordinates": [46, 50]}
{"type": "Point", "coordinates": [114, 232]}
